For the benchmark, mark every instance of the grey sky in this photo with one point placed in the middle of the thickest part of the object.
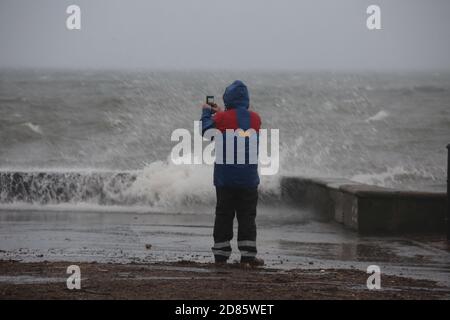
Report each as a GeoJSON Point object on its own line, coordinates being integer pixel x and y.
{"type": "Point", "coordinates": [226, 34]}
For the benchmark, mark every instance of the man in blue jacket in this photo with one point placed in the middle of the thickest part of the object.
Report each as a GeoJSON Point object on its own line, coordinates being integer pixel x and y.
{"type": "Point", "coordinates": [236, 184]}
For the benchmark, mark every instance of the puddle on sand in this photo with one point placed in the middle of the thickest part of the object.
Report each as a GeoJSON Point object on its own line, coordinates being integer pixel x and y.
{"type": "Point", "coordinates": [26, 279]}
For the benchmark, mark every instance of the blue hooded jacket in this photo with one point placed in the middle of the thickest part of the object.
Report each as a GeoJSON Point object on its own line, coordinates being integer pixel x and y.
{"type": "Point", "coordinates": [236, 116]}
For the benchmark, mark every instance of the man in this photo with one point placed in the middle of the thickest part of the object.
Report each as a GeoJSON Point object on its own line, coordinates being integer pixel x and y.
{"type": "Point", "coordinates": [236, 184]}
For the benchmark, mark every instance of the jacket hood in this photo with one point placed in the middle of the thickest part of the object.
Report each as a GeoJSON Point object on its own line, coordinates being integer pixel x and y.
{"type": "Point", "coordinates": [236, 96]}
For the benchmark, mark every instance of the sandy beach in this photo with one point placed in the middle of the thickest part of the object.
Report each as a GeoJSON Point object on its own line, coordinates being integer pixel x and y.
{"type": "Point", "coordinates": [187, 280]}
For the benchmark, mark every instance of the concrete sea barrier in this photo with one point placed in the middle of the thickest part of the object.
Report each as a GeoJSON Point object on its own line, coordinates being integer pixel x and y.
{"type": "Point", "coordinates": [364, 208]}
{"type": "Point", "coordinates": [103, 188]}
{"type": "Point", "coordinates": [368, 209]}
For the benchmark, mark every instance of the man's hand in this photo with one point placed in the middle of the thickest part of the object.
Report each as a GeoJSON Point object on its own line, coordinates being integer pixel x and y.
{"type": "Point", "coordinates": [216, 108]}
{"type": "Point", "coordinates": [213, 108]}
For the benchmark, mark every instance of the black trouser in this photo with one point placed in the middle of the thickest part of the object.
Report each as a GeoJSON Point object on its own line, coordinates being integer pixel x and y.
{"type": "Point", "coordinates": [239, 202]}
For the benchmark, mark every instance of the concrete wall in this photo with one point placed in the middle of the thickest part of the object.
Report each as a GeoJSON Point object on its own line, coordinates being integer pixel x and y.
{"type": "Point", "coordinates": [104, 188]}
{"type": "Point", "coordinates": [368, 209]}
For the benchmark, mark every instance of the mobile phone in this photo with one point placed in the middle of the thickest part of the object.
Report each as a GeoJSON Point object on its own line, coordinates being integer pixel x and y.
{"type": "Point", "coordinates": [210, 100]}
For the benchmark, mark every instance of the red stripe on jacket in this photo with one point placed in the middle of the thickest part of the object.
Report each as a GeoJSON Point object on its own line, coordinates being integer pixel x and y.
{"type": "Point", "coordinates": [228, 120]}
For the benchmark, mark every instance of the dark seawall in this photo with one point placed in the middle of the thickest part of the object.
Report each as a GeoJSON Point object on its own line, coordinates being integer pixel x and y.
{"type": "Point", "coordinates": [368, 209]}
{"type": "Point", "coordinates": [102, 188]}
{"type": "Point", "coordinates": [363, 208]}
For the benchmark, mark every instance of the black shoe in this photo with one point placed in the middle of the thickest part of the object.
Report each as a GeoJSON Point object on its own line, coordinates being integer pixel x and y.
{"type": "Point", "coordinates": [252, 262]}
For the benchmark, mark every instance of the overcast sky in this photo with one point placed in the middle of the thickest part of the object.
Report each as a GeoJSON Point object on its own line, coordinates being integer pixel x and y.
{"type": "Point", "coordinates": [226, 34]}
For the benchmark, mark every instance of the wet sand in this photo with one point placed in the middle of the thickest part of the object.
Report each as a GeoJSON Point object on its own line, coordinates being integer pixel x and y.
{"type": "Point", "coordinates": [167, 256]}
{"type": "Point", "coordinates": [188, 280]}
